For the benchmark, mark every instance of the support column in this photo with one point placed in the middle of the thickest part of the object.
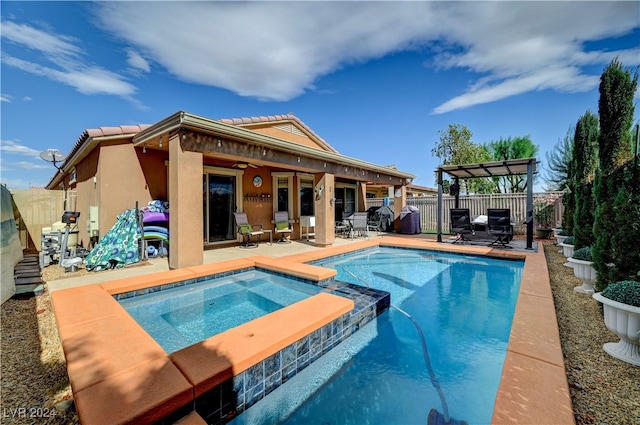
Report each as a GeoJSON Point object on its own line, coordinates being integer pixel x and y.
{"type": "Point", "coordinates": [530, 205]}
{"type": "Point", "coordinates": [325, 193]}
{"type": "Point", "coordinates": [185, 206]}
{"type": "Point", "coordinates": [399, 201]}
{"type": "Point", "coordinates": [439, 205]}
{"type": "Point", "coordinates": [362, 197]}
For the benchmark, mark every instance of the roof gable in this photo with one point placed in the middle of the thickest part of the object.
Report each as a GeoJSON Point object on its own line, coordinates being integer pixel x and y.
{"type": "Point", "coordinates": [287, 127]}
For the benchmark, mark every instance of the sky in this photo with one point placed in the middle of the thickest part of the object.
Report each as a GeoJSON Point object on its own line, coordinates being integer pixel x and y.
{"type": "Point", "coordinates": [378, 81]}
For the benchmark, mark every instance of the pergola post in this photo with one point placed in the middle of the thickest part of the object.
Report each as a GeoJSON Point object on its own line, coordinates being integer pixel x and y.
{"type": "Point", "coordinates": [530, 204]}
{"type": "Point", "coordinates": [439, 205]}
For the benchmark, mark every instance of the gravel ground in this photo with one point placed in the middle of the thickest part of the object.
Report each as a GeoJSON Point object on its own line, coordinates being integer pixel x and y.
{"type": "Point", "coordinates": [36, 390]}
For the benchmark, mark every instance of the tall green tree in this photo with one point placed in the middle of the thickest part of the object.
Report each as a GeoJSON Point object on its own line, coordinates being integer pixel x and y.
{"type": "Point", "coordinates": [456, 147]}
{"type": "Point", "coordinates": [558, 163]}
{"type": "Point", "coordinates": [615, 107]}
{"type": "Point", "coordinates": [511, 148]}
{"type": "Point", "coordinates": [584, 164]}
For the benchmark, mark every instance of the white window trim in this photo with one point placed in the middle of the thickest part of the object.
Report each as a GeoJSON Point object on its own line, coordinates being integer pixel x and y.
{"type": "Point", "coordinates": [300, 177]}
{"type": "Point", "coordinates": [228, 172]}
{"type": "Point", "coordinates": [274, 188]}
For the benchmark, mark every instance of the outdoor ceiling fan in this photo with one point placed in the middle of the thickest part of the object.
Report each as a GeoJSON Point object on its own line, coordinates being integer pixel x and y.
{"type": "Point", "coordinates": [243, 164]}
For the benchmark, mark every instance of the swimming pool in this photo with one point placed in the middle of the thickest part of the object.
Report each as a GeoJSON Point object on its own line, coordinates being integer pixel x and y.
{"type": "Point", "coordinates": [465, 307]}
{"type": "Point", "coordinates": [179, 317]}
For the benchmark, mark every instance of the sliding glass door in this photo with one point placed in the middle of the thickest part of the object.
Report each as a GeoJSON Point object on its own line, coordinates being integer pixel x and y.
{"type": "Point", "coordinates": [219, 204]}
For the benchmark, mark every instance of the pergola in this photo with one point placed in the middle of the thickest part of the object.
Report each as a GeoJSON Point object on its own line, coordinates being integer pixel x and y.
{"type": "Point", "coordinates": [491, 169]}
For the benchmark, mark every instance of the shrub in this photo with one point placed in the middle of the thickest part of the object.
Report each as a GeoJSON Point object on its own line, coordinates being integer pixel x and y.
{"type": "Point", "coordinates": [583, 254]}
{"type": "Point", "coordinates": [625, 292]}
{"type": "Point", "coordinates": [564, 232]}
{"type": "Point", "coordinates": [568, 241]}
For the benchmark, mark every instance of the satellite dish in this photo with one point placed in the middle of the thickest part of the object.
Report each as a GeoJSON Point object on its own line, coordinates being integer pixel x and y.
{"type": "Point", "coordinates": [53, 156]}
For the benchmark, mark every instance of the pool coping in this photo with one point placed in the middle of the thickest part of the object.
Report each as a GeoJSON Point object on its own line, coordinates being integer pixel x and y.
{"type": "Point", "coordinates": [107, 353]}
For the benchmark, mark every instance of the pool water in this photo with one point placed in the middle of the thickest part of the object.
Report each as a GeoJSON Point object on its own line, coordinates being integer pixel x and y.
{"type": "Point", "coordinates": [179, 317]}
{"type": "Point", "coordinates": [465, 306]}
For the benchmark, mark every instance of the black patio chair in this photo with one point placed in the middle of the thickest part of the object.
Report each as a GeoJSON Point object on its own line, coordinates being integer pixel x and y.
{"type": "Point", "coordinates": [499, 225]}
{"type": "Point", "coordinates": [461, 224]}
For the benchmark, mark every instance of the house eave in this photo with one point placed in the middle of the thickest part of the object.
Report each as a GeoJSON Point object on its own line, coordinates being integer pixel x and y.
{"type": "Point", "coordinates": [186, 121]}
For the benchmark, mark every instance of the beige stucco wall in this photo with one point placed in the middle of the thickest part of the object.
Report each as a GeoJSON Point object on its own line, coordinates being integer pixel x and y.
{"type": "Point", "coordinates": [185, 198]}
{"type": "Point", "coordinates": [286, 135]}
{"type": "Point", "coordinates": [121, 182]}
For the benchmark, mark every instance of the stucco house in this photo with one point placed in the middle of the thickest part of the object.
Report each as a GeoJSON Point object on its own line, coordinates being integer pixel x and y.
{"type": "Point", "coordinates": [207, 169]}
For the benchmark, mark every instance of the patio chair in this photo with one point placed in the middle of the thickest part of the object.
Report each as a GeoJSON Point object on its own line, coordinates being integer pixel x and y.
{"type": "Point", "coordinates": [499, 225]}
{"type": "Point", "coordinates": [343, 228]}
{"type": "Point", "coordinates": [282, 226]}
{"type": "Point", "coordinates": [461, 224]}
{"type": "Point", "coordinates": [248, 231]}
{"type": "Point", "coordinates": [360, 224]}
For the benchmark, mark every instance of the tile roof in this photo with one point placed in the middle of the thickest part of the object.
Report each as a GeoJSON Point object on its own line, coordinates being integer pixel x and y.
{"type": "Point", "coordinates": [99, 132]}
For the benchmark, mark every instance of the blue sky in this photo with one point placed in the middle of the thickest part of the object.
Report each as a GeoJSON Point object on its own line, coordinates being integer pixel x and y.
{"type": "Point", "coordinates": [376, 80]}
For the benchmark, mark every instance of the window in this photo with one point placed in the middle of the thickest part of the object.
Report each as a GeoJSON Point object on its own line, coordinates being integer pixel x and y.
{"type": "Point", "coordinates": [73, 174]}
{"type": "Point", "coordinates": [306, 197]}
{"type": "Point", "coordinates": [283, 192]}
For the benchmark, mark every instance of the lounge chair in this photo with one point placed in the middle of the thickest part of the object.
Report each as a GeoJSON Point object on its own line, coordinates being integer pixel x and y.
{"type": "Point", "coordinates": [248, 231]}
{"type": "Point", "coordinates": [461, 224]}
{"type": "Point", "coordinates": [282, 226]}
{"type": "Point", "coordinates": [499, 225]}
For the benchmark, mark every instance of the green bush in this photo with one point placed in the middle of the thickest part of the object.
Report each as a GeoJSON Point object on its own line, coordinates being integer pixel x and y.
{"type": "Point", "coordinates": [583, 254]}
{"type": "Point", "coordinates": [564, 232]}
{"type": "Point", "coordinates": [626, 292]}
{"type": "Point", "coordinates": [568, 241]}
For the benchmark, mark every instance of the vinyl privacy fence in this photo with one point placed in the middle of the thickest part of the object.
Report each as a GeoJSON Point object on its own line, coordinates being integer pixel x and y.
{"type": "Point", "coordinates": [477, 204]}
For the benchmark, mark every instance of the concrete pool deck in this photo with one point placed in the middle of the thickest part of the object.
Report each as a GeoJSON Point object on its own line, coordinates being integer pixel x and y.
{"type": "Point", "coordinates": [109, 355]}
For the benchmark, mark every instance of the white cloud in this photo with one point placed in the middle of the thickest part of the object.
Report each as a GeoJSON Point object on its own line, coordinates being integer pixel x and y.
{"type": "Point", "coordinates": [278, 50]}
{"type": "Point", "coordinates": [5, 98]}
{"type": "Point", "coordinates": [66, 60]}
{"type": "Point", "coordinates": [137, 62]}
{"type": "Point", "coordinates": [14, 147]}
{"type": "Point", "coordinates": [34, 166]}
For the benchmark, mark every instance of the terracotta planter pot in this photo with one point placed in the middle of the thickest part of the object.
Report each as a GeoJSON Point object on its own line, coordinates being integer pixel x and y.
{"type": "Point", "coordinates": [624, 320]}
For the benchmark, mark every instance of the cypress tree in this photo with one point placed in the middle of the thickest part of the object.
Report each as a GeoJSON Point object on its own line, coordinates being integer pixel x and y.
{"type": "Point", "coordinates": [615, 108]}
{"type": "Point", "coordinates": [584, 163]}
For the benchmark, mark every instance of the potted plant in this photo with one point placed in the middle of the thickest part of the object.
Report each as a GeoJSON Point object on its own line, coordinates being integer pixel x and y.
{"type": "Point", "coordinates": [544, 214]}
{"type": "Point", "coordinates": [561, 235]}
{"type": "Point", "coordinates": [582, 264]}
{"type": "Point", "coordinates": [621, 301]}
{"type": "Point", "coordinates": [567, 246]}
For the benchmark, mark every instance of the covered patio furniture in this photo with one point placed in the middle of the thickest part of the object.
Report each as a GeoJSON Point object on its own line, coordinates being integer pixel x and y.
{"type": "Point", "coordinates": [499, 225]}
{"type": "Point", "coordinates": [460, 224]}
{"type": "Point", "coordinates": [381, 218]}
{"type": "Point", "coordinates": [410, 220]}
{"type": "Point", "coordinates": [282, 226]}
{"type": "Point", "coordinates": [248, 231]}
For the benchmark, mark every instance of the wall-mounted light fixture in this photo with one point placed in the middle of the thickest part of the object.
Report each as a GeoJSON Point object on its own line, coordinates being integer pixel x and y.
{"type": "Point", "coordinates": [219, 143]}
{"type": "Point", "coordinates": [144, 147]}
{"type": "Point", "coordinates": [319, 190]}
{"type": "Point", "coordinates": [298, 159]}
{"type": "Point", "coordinates": [160, 144]}
{"type": "Point", "coordinates": [264, 152]}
